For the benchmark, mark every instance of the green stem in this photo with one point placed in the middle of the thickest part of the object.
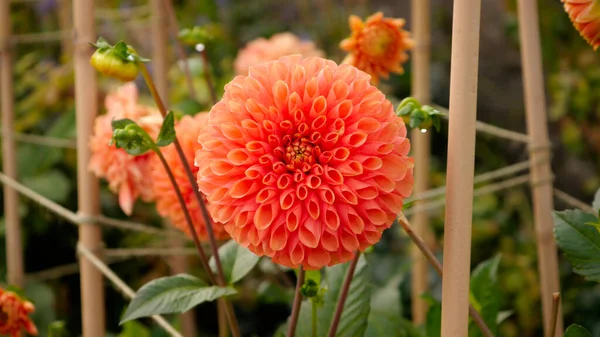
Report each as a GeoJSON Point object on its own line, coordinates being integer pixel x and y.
{"type": "Point", "coordinates": [297, 302]}
{"type": "Point", "coordinates": [342, 300]}
{"type": "Point", "coordinates": [187, 215]}
{"type": "Point", "coordinates": [314, 319]}
{"type": "Point", "coordinates": [220, 279]}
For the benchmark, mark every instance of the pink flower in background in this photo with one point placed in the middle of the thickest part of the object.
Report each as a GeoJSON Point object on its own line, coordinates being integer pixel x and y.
{"type": "Point", "coordinates": [304, 161]}
{"type": "Point", "coordinates": [263, 50]}
{"type": "Point", "coordinates": [127, 176]}
{"type": "Point", "coordinates": [14, 315]}
{"type": "Point", "coordinates": [167, 204]}
{"type": "Point", "coordinates": [585, 15]}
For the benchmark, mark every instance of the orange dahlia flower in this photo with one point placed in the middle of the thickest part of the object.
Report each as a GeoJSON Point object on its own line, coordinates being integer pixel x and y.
{"type": "Point", "coordinates": [377, 46]}
{"type": "Point", "coordinates": [167, 204]}
{"type": "Point", "coordinates": [304, 161]}
{"type": "Point", "coordinates": [14, 315]}
{"type": "Point", "coordinates": [127, 176]}
{"type": "Point", "coordinates": [263, 50]}
{"type": "Point", "coordinates": [585, 15]}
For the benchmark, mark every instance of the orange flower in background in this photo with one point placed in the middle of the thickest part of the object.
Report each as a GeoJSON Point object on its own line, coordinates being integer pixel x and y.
{"type": "Point", "coordinates": [377, 46]}
{"type": "Point", "coordinates": [304, 161]}
{"type": "Point", "coordinates": [167, 204]}
{"type": "Point", "coordinates": [127, 176]}
{"type": "Point", "coordinates": [14, 315]}
{"type": "Point", "coordinates": [585, 15]}
{"type": "Point", "coordinates": [263, 50]}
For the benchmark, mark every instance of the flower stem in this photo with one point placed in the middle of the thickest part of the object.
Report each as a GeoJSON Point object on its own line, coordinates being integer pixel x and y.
{"type": "Point", "coordinates": [485, 330]}
{"type": "Point", "coordinates": [314, 319]}
{"type": "Point", "coordinates": [207, 77]}
{"type": "Point", "coordinates": [187, 215]}
{"type": "Point", "coordinates": [296, 305]}
{"type": "Point", "coordinates": [220, 279]}
{"type": "Point", "coordinates": [342, 300]}
{"type": "Point", "coordinates": [174, 27]}
{"type": "Point", "coordinates": [554, 317]}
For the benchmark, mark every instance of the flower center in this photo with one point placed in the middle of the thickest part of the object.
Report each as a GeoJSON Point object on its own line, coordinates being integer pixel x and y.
{"type": "Point", "coordinates": [377, 40]}
{"type": "Point", "coordinates": [299, 154]}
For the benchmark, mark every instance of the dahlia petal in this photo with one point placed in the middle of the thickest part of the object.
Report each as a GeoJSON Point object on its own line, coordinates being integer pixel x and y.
{"type": "Point", "coordinates": [326, 195]}
{"type": "Point", "coordinates": [265, 215]}
{"type": "Point", "coordinates": [287, 199]}
{"type": "Point", "coordinates": [126, 198]}
{"type": "Point", "coordinates": [333, 176]}
{"type": "Point", "coordinates": [279, 238]}
{"type": "Point", "coordinates": [332, 219]}
{"type": "Point", "coordinates": [310, 232]}
{"type": "Point", "coordinates": [330, 241]}
{"type": "Point", "coordinates": [318, 257]}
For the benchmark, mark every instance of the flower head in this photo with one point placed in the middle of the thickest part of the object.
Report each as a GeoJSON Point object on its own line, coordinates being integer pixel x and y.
{"type": "Point", "coordinates": [14, 315]}
{"type": "Point", "coordinates": [127, 176]}
{"type": "Point", "coordinates": [377, 46]}
{"type": "Point", "coordinates": [585, 15]}
{"type": "Point", "coordinates": [304, 161]}
{"type": "Point", "coordinates": [263, 50]}
{"type": "Point", "coordinates": [167, 204]}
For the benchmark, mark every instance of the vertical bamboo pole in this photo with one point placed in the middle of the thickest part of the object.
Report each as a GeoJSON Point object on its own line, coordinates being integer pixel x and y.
{"type": "Point", "coordinates": [14, 244]}
{"type": "Point", "coordinates": [421, 144]}
{"type": "Point", "coordinates": [539, 156]}
{"type": "Point", "coordinates": [461, 162]}
{"type": "Point", "coordinates": [160, 66]}
{"type": "Point", "coordinates": [86, 105]}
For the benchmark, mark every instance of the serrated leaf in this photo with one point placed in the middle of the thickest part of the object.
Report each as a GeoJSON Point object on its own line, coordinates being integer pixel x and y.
{"type": "Point", "coordinates": [172, 295]}
{"type": "Point", "coordinates": [166, 135]}
{"type": "Point", "coordinates": [579, 242]}
{"type": "Point", "coordinates": [353, 321]}
{"type": "Point", "coordinates": [384, 317]}
{"type": "Point", "coordinates": [575, 330]}
{"type": "Point", "coordinates": [596, 202]}
{"type": "Point", "coordinates": [236, 260]}
{"type": "Point", "coordinates": [485, 291]}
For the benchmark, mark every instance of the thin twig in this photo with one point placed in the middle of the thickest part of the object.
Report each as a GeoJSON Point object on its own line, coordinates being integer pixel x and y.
{"type": "Point", "coordinates": [297, 302]}
{"type": "Point", "coordinates": [220, 279]}
{"type": "Point", "coordinates": [41, 140]}
{"type": "Point", "coordinates": [569, 199]}
{"type": "Point", "coordinates": [438, 268]}
{"type": "Point", "coordinates": [554, 317]}
{"type": "Point", "coordinates": [174, 28]}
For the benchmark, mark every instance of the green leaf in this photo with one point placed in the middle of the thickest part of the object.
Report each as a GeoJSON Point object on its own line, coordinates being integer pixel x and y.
{"type": "Point", "coordinates": [172, 295]}
{"type": "Point", "coordinates": [166, 135]}
{"type": "Point", "coordinates": [416, 118]}
{"type": "Point", "coordinates": [120, 123]}
{"type": "Point", "coordinates": [236, 260]}
{"type": "Point", "coordinates": [433, 319]}
{"type": "Point", "coordinates": [101, 43]}
{"type": "Point", "coordinates": [353, 322]}
{"type": "Point", "coordinates": [52, 184]}
{"type": "Point", "coordinates": [575, 330]}
{"type": "Point", "coordinates": [134, 329]}
{"type": "Point", "coordinates": [132, 138]}
{"type": "Point", "coordinates": [596, 202]}
{"type": "Point", "coordinates": [486, 293]}
{"type": "Point", "coordinates": [58, 329]}
{"type": "Point", "coordinates": [384, 317]}
{"type": "Point", "coordinates": [579, 242]}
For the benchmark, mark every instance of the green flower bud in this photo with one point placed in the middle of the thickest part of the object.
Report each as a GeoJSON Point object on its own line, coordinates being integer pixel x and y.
{"type": "Point", "coordinates": [120, 61]}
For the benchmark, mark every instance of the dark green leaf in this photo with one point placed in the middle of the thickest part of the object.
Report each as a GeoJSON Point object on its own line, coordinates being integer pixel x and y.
{"type": "Point", "coordinates": [579, 242]}
{"type": "Point", "coordinates": [416, 118]}
{"type": "Point", "coordinates": [407, 329]}
{"type": "Point", "coordinates": [356, 308]}
{"type": "Point", "coordinates": [53, 184]}
{"type": "Point", "coordinates": [172, 295]}
{"type": "Point", "coordinates": [134, 140]}
{"type": "Point", "coordinates": [166, 135]}
{"type": "Point", "coordinates": [575, 330]}
{"type": "Point", "coordinates": [433, 320]}
{"type": "Point", "coordinates": [487, 294]}
{"type": "Point", "coordinates": [120, 123]}
{"type": "Point", "coordinates": [58, 329]}
{"type": "Point", "coordinates": [134, 329]}
{"type": "Point", "coordinates": [384, 317]}
{"type": "Point", "coordinates": [236, 260]}
{"type": "Point", "coordinates": [406, 110]}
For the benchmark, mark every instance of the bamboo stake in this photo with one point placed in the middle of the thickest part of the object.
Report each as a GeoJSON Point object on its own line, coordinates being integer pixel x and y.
{"type": "Point", "coordinates": [14, 245]}
{"type": "Point", "coordinates": [86, 105]}
{"type": "Point", "coordinates": [421, 144]}
{"type": "Point", "coordinates": [461, 162]}
{"type": "Point", "coordinates": [541, 173]}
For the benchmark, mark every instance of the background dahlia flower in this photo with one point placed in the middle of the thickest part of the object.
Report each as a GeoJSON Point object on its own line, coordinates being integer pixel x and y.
{"type": "Point", "coordinates": [377, 46]}
{"type": "Point", "coordinates": [304, 161]}
{"type": "Point", "coordinates": [263, 50]}
{"type": "Point", "coordinates": [167, 205]}
{"type": "Point", "coordinates": [14, 315]}
{"type": "Point", "coordinates": [585, 15]}
{"type": "Point", "coordinates": [128, 176]}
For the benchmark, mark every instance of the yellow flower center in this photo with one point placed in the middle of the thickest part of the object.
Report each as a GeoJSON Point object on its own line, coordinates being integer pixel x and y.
{"type": "Point", "coordinates": [377, 40]}
{"type": "Point", "coordinates": [299, 154]}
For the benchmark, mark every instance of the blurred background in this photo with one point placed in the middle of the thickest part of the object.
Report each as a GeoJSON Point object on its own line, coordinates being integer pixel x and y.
{"type": "Point", "coordinates": [502, 222]}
